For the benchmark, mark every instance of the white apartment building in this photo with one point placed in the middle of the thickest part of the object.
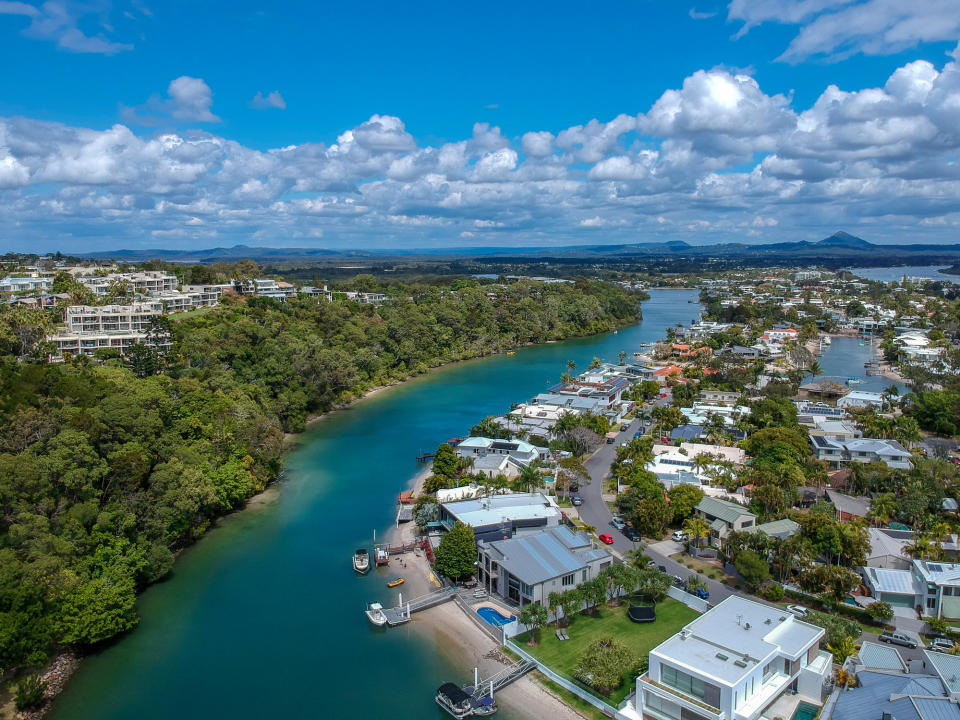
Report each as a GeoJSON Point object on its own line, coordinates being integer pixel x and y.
{"type": "Point", "coordinates": [732, 663]}
{"type": "Point", "coordinates": [149, 282]}
{"type": "Point", "coordinates": [114, 327]}
{"type": "Point", "coordinates": [19, 283]}
{"type": "Point", "coordinates": [112, 318]}
{"type": "Point", "coordinates": [206, 295]}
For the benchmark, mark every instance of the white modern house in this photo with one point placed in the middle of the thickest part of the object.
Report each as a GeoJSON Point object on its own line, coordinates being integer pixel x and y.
{"type": "Point", "coordinates": [12, 283]}
{"type": "Point", "coordinates": [861, 399]}
{"type": "Point", "coordinates": [521, 451]}
{"type": "Point", "coordinates": [732, 663]}
{"type": "Point", "coordinates": [932, 586]}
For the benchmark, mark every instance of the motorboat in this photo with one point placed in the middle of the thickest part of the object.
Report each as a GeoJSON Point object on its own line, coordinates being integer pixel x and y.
{"type": "Point", "coordinates": [361, 561]}
{"type": "Point", "coordinates": [854, 381]}
{"type": "Point", "coordinates": [827, 340]}
{"type": "Point", "coordinates": [376, 615]}
{"type": "Point", "coordinates": [395, 583]}
{"type": "Point", "coordinates": [380, 557]}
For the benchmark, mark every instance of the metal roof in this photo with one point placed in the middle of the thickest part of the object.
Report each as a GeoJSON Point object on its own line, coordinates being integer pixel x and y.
{"type": "Point", "coordinates": [541, 556]}
{"type": "Point", "coordinates": [905, 697]}
{"type": "Point", "coordinates": [880, 657]}
{"type": "Point", "coordinates": [885, 580]}
{"type": "Point", "coordinates": [723, 509]}
{"type": "Point", "coordinates": [947, 668]}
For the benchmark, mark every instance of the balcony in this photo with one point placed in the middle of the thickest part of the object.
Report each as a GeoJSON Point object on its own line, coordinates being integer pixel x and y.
{"type": "Point", "coordinates": [647, 685]}
{"type": "Point", "coordinates": [768, 691]}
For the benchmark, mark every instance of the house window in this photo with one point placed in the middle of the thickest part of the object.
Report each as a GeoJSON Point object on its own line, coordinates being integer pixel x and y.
{"type": "Point", "coordinates": [931, 603]}
{"type": "Point", "coordinates": [567, 580]}
{"type": "Point", "coordinates": [662, 706]}
{"type": "Point", "coordinates": [583, 577]}
{"type": "Point", "coordinates": [747, 523]}
{"type": "Point", "coordinates": [679, 680]}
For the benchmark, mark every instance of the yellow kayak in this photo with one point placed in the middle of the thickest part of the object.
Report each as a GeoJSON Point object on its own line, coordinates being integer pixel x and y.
{"type": "Point", "coordinates": [395, 583]}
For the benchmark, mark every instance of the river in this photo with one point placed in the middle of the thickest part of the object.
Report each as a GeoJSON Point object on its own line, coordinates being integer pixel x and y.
{"type": "Point", "coordinates": [845, 358]}
{"type": "Point", "coordinates": [263, 617]}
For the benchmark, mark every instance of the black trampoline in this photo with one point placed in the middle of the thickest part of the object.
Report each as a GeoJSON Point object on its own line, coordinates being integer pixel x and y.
{"type": "Point", "coordinates": [642, 613]}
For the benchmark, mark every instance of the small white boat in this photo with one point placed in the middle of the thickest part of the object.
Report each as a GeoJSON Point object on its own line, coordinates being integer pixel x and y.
{"type": "Point", "coordinates": [361, 561]}
{"type": "Point", "coordinates": [827, 340]}
{"type": "Point", "coordinates": [375, 614]}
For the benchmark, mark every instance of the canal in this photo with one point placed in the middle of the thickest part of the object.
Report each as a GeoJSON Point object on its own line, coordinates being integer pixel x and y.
{"type": "Point", "coordinates": [263, 618]}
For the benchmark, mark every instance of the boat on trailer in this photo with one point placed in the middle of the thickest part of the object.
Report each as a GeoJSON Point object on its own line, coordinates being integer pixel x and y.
{"type": "Point", "coordinates": [361, 561]}
{"type": "Point", "coordinates": [376, 615]}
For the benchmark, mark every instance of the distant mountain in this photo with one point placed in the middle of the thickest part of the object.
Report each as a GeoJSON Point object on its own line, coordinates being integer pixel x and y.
{"type": "Point", "coordinates": [839, 250]}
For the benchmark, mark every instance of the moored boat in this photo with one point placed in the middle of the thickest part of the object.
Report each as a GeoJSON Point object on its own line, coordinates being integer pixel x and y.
{"type": "Point", "coordinates": [380, 557]}
{"type": "Point", "coordinates": [454, 700]}
{"type": "Point", "coordinates": [395, 583]}
{"type": "Point", "coordinates": [361, 561]}
{"type": "Point", "coordinates": [375, 614]}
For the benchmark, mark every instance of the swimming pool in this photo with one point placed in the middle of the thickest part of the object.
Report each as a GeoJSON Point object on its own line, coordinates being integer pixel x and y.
{"type": "Point", "coordinates": [805, 711]}
{"type": "Point", "coordinates": [492, 617]}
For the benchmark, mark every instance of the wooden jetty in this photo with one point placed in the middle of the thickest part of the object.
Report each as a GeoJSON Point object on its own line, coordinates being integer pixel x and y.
{"type": "Point", "coordinates": [423, 457]}
{"type": "Point", "coordinates": [401, 613]}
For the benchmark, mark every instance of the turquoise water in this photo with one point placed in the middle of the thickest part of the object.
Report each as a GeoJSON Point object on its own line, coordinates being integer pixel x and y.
{"type": "Point", "coordinates": [263, 618]}
{"type": "Point", "coordinates": [805, 711]}
{"type": "Point", "coordinates": [492, 617]}
{"type": "Point", "coordinates": [845, 357]}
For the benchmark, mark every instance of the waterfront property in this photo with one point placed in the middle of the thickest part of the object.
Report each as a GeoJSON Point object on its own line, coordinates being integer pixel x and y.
{"type": "Point", "coordinates": [529, 567]}
{"type": "Point", "coordinates": [732, 663]}
{"type": "Point", "coordinates": [499, 517]}
{"type": "Point", "coordinates": [562, 656]}
{"type": "Point", "coordinates": [521, 452]}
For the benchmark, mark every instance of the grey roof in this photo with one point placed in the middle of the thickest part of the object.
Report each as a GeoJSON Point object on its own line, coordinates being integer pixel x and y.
{"type": "Point", "coordinates": [947, 667]}
{"type": "Point", "coordinates": [686, 432]}
{"type": "Point", "coordinates": [777, 528]}
{"type": "Point", "coordinates": [880, 657]}
{"type": "Point", "coordinates": [905, 697]}
{"type": "Point", "coordinates": [723, 509]}
{"type": "Point", "coordinates": [883, 544]}
{"type": "Point", "coordinates": [885, 580]}
{"type": "Point", "coordinates": [859, 506]}
{"type": "Point", "coordinates": [541, 556]}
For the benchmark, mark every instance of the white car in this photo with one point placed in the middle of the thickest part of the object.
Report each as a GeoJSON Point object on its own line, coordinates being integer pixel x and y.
{"type": "Point", "coordinates": [798, 610]}
{"type": "Point", "coordinates": [941, 644]}
{"type": "Point", "coordinates": [679, 536]}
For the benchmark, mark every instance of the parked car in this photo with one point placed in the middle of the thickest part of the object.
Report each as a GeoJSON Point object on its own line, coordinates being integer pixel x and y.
{"type": "Point", "coordinates": [679, 536]}
{"type": "Point", "coordinates": [631, 534]}
{"type": "Point", "coordinates": [576, 501]}
{"type": "Point", "coordinates": [677, 581]}
{"type": "Point", "coordinates": [663, 395]}
{"type": "Point", "coordinates": [624, 428]}
{"type": "Point", "coordinates": [700, 592]}
{"type": "Point", "coordinates": [605, 539]}
{"type": "Point", "coordinates": [662, 568]}
{"type": "Point", "coordinates": [651, 564]}
{"type": "Point", "coordinates": [798, 610]}
{"type": "Point", "coordinates": [898, 638]}
{"type": "Point", "coordinates": [637, 435]}
{"type": "Point", "coordinates": [618, 523]}
{"type": "Point", "coordinates": [574, 487]}
{"type": "Point", "coordinates": [941, 644]}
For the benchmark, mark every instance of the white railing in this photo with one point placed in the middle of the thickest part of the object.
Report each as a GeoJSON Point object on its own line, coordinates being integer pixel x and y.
{"type": "Point", "coordinates": [688, 599]}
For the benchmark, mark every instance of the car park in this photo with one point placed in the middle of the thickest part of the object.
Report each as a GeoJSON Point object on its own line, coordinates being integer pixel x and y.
{"type": "Point", "coordinates": [898, 638]}
{"type": "Point", "coordinates": [798, 610]}
{"type": "Point", "coordinates": [605, 539]}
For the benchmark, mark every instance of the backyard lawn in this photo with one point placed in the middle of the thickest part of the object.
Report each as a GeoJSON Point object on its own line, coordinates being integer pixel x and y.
{"type": "Point", "coordinates": [640, 638]}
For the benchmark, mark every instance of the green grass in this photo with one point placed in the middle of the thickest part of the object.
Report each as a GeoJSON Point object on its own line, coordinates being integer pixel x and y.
{"type": "Point", "coordinates": [177, 317]}
{"type": "Point", "coordinates": [639, 638]}
{"type": "Point", "coordinates": [575, 701]}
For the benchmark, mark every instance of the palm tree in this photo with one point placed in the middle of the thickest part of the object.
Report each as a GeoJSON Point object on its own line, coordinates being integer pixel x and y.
{"type": "Point", "coordinates": [889, 394]}
{"type": "Point", "coordinates": [621, 355]}
{"type": "Point", "coordinates": [883, 507]}
{"type": "Point", "coordinates": [534, 616]}
{"type": "Point", "coordinates": [530, 476]}
{"type": "Point", "coordinates": [555, 605]}
{"type": "Point", "coordinates": [571, 366]}
{"type": "Point", "coordinates": [594, 364]}
{"type": "Point", "coordinates": [815, 369]}
{"type": "Point", "coordinates": [920, 547]}
{"type": "Point", "coordinates": [697, 528]}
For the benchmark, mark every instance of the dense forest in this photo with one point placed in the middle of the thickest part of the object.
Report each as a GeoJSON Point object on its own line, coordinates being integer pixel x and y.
{"type": "Point", "coordinates": [108, 466]}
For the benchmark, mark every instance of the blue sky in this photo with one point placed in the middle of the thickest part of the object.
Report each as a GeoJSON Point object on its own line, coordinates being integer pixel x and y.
{"type": "Point", "coordinates": [136, 124]}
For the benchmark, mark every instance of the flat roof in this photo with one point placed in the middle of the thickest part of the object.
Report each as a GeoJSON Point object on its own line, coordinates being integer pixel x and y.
{"type": "Point", "coordinates": [731, 640]}
{"type": "Point", "coordinates": [495, 509]}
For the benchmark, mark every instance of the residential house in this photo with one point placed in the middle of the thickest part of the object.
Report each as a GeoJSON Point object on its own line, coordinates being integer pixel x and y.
{"type": "Point", "coordinates": [521, 451]}
{"type": "Point", "coordinates": [732, 663]}
{"type": "Point", "coordinates": [861, 399]}
{"type": "Point", "coordinates": [528, 567]}
{"type": "Point", "coordinates": [862, 450]}
{"type": "Point", "coordinates": [932, 586]}
{"type": "Point", "coordinates": [725, 516]}
{"type": "Point", "coordinates": [499, 517]}
{"type": "Point", "coordinates": [28, 283]}
{"type": "Point", "coordinates": [780, 529]}
{"type": "Point", "coordinates": [849, 507]}
{"type": "Point", "coordinates": [887, 548]}
{"type": "Point", "coordinates": [894, 695]}
{"type": "Point", "coordinates": [719, 397]}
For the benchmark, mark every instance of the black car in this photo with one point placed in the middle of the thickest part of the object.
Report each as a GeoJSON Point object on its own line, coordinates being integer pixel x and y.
{"type": "Point", "coordinates": [662, 568]}
{"type": "Point", "coordinates": [624, 428]}
{"type": "Point", "coordinates": [574, 487]}
{"type": "Point", "coordinates": [631, 534]}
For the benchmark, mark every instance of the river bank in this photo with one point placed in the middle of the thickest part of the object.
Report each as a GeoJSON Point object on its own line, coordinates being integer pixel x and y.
{"type": "Point", "coordinates": [283, 573]}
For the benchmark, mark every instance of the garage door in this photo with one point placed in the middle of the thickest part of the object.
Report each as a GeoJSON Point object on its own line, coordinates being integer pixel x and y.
{"type": "Point", "coordinates": [895, 600]}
